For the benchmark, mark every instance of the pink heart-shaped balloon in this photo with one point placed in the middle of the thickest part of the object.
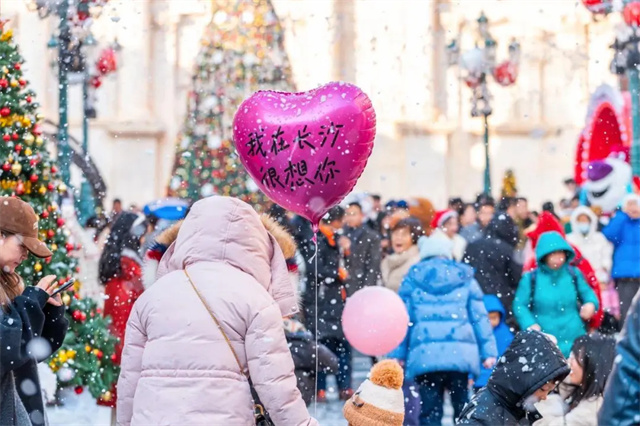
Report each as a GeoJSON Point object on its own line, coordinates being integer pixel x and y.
{"type": "Point", "coordinates": [306, 150]}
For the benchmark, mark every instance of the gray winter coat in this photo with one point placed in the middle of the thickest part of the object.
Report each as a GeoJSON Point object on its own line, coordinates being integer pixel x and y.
{"type": "Point", "coordinates": [363, 263]}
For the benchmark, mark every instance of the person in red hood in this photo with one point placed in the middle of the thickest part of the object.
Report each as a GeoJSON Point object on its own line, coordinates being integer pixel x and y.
{"type": "Point", "coordinates": [546, 223]}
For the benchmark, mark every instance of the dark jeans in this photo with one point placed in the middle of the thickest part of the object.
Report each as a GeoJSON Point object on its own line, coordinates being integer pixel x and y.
{"type": "Point", "coordinates": [341, 348]}
{"type": "Point", "coordinates": [627, 289]}
{"type": "Point", "coordinates": [432, 387]}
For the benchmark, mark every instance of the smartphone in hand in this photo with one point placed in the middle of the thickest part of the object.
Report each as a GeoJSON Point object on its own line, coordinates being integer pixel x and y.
{"type": "Point", "coordinates": [63, 287]}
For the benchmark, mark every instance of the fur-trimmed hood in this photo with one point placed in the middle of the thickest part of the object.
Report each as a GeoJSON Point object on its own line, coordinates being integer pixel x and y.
{"type": "Point", "coordinates": [168, 236]}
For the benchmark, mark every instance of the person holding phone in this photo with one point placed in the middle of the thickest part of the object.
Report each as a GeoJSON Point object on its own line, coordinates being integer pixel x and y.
{"type": "Point", "coordinates": [32, 323]}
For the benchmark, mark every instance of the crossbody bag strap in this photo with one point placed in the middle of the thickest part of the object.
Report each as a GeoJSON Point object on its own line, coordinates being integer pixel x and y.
{"type": "Point", "coordinates": [213, 317]}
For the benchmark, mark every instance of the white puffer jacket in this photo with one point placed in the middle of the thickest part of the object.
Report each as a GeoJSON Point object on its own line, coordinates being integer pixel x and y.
{"type": "Point", "coordinates": [593, 246]}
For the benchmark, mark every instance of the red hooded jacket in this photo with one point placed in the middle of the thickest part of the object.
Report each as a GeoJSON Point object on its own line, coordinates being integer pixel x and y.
{"type": "Point", "coordinates": [546, 223]}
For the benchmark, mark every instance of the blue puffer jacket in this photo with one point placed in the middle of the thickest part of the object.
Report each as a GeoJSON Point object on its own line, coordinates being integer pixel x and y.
{"type": "Point", "coordinates": [624, 233]}
{"type": "Point", "coordinates": [449, 327]}
{"type": "Point", "coordinates": [501, 333]}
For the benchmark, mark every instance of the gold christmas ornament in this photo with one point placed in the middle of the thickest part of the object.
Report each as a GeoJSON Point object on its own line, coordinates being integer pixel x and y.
{"type": "Point", "coordinates": [54, 247]}
{"type": "Point", "coordinates": [66, 299]}
{"type": "Point", "coordinates": [39, 141]}
{"type": "Point", "coordinates": [62, 188]}
{"type": "Point", "coordinates": [37, 267]}
{"type": "Point", "coordinates": [29, 139]}
{"type": "Point", "coordinates": [42, 190]}
{"type": "Point", "coordinates": [106, 396]}
{"type": "Point", "coordinates": [5, 70]}
{"type": "Point", "coordinates": [14, 83]}
{"type": "Point", "coordinates": [16, 168]}
{"type": "Point", "coordinates": [28, 152]}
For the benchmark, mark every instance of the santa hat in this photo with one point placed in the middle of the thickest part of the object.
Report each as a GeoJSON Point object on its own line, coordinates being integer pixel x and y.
{"type": "Point", "coordinates": [379, 401]}
{"type": "Point", "coordinates": [546, 223]}
{"type": "Point", "coordinates": [441, 217]}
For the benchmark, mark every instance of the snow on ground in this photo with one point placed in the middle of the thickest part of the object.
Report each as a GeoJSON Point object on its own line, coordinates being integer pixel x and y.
{"type": "Point", "coordinates": [79, 410]}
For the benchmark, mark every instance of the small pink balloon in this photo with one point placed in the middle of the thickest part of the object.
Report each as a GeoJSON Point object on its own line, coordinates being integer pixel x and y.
{"type": "Point", "coordinates": [375, 320]}
{"type": "Point", "coordinates": [306, 150]}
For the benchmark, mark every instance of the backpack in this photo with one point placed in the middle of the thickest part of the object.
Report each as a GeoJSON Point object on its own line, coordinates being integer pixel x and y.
{"type": "Point", "coordinates": [574, 279]}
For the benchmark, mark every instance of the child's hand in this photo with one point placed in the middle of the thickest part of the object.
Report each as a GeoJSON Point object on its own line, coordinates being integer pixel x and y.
{"type": "Point", "coordinates": [489, 362]}
{"type": "Point", "coordinates": [587, 310]}
{"type": "Point", "coordinates": [535, 327]}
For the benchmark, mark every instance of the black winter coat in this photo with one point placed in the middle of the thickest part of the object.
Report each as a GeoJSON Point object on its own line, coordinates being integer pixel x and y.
{"type": "Point", "coordinates": [331, 291]}
{"type": "Point", "coordinates": [363, 263]}
{"type": "Point", "coordinates": [303, 348]}
{"type": "Point", "coordinates": [528, 363]}
{"type": "Point", "coordinates": [492, 257]}
{"type": "Point", "coordinates": [621, 406]}
{"type": "Point", "coordinates": [30, 317]}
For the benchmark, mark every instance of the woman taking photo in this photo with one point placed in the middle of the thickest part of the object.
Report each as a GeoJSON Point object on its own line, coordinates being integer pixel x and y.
{"type": "Point", "coordinates": [32, 324]}
{"type": "Point", "coordinates": [581, 395]}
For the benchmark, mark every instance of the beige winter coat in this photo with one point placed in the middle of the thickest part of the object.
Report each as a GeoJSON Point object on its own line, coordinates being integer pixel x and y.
{"type": "Point", "coordinates": [395, 266]}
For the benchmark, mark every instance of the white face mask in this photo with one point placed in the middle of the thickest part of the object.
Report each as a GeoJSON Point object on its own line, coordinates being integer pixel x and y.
{"type": "Point", "coordinates": [530, 402]}
{"type": "Point", "coordinates": [584, 228]}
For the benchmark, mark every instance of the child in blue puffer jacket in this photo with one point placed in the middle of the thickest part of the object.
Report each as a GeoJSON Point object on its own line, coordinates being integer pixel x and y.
{"type": "Point", "coordinates": [449, 331]}
{"type": "Point", "coordinates": [501, 333]}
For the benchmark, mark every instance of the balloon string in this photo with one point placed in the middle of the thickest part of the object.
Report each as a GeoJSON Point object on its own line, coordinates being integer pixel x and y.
{"type": "Point", "coordinates": [315, 256]}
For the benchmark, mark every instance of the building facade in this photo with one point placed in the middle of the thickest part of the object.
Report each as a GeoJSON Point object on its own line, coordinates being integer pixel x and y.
{"type": "Point", "coordinates": [427, 143]}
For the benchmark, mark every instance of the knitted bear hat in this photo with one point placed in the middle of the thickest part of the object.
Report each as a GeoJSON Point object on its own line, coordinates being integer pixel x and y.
{"type": "Point", "coordinates": [379, 400]}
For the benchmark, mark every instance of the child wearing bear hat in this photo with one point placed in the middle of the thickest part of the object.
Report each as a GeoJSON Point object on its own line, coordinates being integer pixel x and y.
{"type": "Point", "coordinates": [379, 400]}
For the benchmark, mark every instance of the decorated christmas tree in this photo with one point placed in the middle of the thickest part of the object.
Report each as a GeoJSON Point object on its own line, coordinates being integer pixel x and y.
{"type": "Point", "coordinates": [242, 51]}
{"type": "Point", "coordinates": [28, 171]}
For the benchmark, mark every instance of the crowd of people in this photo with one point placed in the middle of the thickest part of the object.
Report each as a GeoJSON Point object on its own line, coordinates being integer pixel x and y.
{"type": "Point", "coordinates": [499, 297]}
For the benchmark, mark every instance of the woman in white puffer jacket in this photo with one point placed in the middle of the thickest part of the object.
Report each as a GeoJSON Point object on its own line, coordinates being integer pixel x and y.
{"type": "Point", "coordinates": [592, 243]}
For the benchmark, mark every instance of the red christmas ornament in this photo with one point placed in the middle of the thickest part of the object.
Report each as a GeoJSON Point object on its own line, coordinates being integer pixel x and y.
{"type": "Point", "coordinates": [6, 138]}
{"type": "Point", "coordinates": [99, 354]}
{"type": "Point", "coordinates": [22, 82]}
{"type": "Point", "coordinates": [5, 111]}
{"type": "Point", "coordinates": [631, 14]}
{"type": "Point", "coordinates": [18, 148]}
{"type": "Point", "coordinates": [76, 296]}
{"type": "Point", "coordinates": [99, 310]}
{"type": "Point", "coordinates": [598, 6]}
{"type": "Point", "coordinates": [114, 357]}
{"type": "Point", "coordinates": [37, 130]}
{"type": "Point", "coordinates": [28, 99]}
{"type": "Point", "coordinates": [96, 81]}
{"type": "Point", "coordinates": [60, 222]}
{"type": "Point", "coordinates": [505, 73]}
{"type": "Point", "coordinates": [20, 188]}
{"type": "Point", "coordinates": [78, 390]}
{"type": "Point", "coordinates": [33, 178]}
{"type": "Point", "coordinates": [4, 83]}
{"type": "Point", "coordinates": [15, 136]}
{"type": "Point", "coordinates": [51, 186]}
{"type": "Point", "coordinates": [83, 317]}
{"type": "Point", "coordinates": [54, 169]}
{"type": "Point", "coordinates": [82, 15]}
{"type": "Point", "coordinates": [44, 214]}
{"type": "Point", "coordinates": [69, 247]}
{"type": "Point", "coordinates": [17, 66]}
{"type": "Point", "coordinates": [107, 61]}
{"type": "Point", "coordinates": [33, 162]}
{"type": "Point", "coordinates": [51, 233]}
{"type": "Point", "coordinates": [76, 315]}
{"type": "Point", "coordinates": [6, 167]}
